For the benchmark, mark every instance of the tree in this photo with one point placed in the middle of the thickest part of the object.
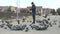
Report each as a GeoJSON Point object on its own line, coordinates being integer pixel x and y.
{"type": "Point", "coordinates": [8, 12]}
{"type": "Point", "coordinates": [24, 12]}
{"type": "Point", "coordinates": [58, 11]}
{"type": "Point", "coordinates": [53, 12]}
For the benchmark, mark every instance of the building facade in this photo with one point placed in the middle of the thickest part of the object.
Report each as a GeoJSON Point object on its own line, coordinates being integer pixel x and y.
{"type": "Point", "coordinates": [39, 9]}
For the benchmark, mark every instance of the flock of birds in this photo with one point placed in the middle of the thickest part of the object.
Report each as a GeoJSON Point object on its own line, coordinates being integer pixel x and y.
{"type": "Point", "coordinates": [40, 25]}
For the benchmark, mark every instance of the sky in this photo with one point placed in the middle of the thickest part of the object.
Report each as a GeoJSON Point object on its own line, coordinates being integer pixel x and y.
{"type": "Point", "coordinates": [54, 4]}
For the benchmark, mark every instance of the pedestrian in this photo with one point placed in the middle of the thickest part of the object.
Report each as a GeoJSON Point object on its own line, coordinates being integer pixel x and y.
{"type": "Point", "coordinates": [33, 8]}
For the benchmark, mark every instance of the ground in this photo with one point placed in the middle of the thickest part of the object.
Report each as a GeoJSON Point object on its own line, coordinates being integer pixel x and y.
{"type": "Point", "coordinates": [51, 30]}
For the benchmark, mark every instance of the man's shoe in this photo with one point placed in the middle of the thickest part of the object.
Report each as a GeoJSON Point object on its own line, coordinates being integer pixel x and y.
{"type": "Point", "coordinates": [33, 23]}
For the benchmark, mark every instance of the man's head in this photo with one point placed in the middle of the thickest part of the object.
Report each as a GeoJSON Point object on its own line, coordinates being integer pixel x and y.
{"type": "Point", "coordinates": [32, 3]}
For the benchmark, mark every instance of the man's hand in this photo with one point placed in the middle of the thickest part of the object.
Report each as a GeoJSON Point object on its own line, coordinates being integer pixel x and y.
{"type": "Point", "coordinates": [30, 9]}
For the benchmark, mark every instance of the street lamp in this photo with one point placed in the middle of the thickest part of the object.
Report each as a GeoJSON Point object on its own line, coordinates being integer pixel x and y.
{"type": "Point", "coordinates": [17, 10]}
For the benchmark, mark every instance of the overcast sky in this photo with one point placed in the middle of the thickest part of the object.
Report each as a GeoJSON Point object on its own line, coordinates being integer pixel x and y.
{"type": "Point", "coordinates": [24, 3]}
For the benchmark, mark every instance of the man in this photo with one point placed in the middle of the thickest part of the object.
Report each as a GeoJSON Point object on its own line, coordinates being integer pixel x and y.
{"type": "Point", "coordinates": [33, 12]}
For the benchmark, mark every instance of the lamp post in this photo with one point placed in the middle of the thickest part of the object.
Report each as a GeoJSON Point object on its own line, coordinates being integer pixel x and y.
{"type": "Point", "coordinates": [17, 11]}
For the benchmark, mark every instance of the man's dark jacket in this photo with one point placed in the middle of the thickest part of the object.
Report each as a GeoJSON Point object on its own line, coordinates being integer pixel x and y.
{"type": "Point", "coordinates": [33, 9]}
